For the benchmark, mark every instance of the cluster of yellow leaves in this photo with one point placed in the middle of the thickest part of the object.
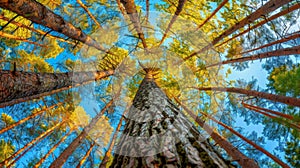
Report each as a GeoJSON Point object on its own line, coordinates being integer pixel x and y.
{"type": "Point", "coordinates": [52, 4]}
{"type": "Point", "coordinates": [79, 118]}
{"type": "Point", "coordinates": [52, 49]}
{"type": "Point", "coordinates": [102, 131]}
{"type": "Point", "coordinates": [29, 61]}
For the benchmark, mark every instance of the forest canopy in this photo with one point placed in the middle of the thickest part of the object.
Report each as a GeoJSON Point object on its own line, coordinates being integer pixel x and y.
{"type": "Point", "coordinates": [164, 83]}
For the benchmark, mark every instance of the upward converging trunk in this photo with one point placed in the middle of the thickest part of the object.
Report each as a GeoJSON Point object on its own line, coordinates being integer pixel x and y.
{"type": "Point", "coordinates": [133, 15]}
{"type": "Point", "coordinates": [17, 87]}
{"type": "Point", "coordinates": [270, 6]}
{"type": "Point", "coordinates": [277, 98]}
{"type": "Point", "coordinates": [176, 14]}
{"type": "Point", "coordinates": [157, 134]}
{"type": "Point", "coordinates": [39, 14]}
{"type": "Point", "coordinates": [284, 12]}
{"type": "Point", "coordinates": [78, 140]}
{"type": "Point", "coordinates": [277, 53]}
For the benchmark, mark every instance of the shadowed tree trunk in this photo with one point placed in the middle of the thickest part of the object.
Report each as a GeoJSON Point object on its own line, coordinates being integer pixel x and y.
{"type": "Point", "coordinates": [277, 98]}
{"type": "Point", "coordinates": [33, 115]}
{"type": "Point", "coordinates": [39, 14]}
{"type": "Point", "coordinates": [78, 140]}
{"type": "Point", "coordinates": [287, 38]}
{"type": "Point", "coordinates": [212, 14]}
{"type": "Point", "coordinates": [52, 149]}
{"type": "Point", "coordinates": [277, 53]}
{"type": "Point", "coordinates": [17, 87]}
{"type": "Point", "coordinates": [134, 17]}
{"type": "Point", "coordinates": [177, 12]}
{"type": "Point", "coordinates": [43, 135]}
{"type": "Point", "coordinates": [86, 155]}
{"type": "Point", "coordinates": [284, 12]}
{"type": "Point", "coordinates": [270, 6]}
{"type": "Point", "coordinates": [277, 160]}
{"type": "Point", "coordinates": [157, 134]}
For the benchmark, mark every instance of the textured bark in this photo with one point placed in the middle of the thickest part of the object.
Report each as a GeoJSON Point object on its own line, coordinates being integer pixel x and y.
{"type": "Point", "coordinates": [133, 15]}
{"type": "Point", "coordinates": [232, 151]}
{"type": "Point", "coordinates": [58, 162]}
{"type": "Point", "coordinates": [9, 36]}
{"type": "Point", "coordinates": [262, 11]}
{"type": "Point", "coordinates": [277, 98]}
{"type": "Point", "coordinates": [177, 12]}
{"type": "Point", "coordinates": [49, 131]}
{"type": "Point", "coordinates": [33, 115]}
{"type": "Point", "coordinates": [85, 156]}
{"type": "Point", "coordinates": [112, 143]}
{"type": "Point", "coordinates": [157, 134]}
{"type": "Point", "coordinates": [212, 14]}
{"type": "Point", "coordinates": [89, 13]}
{"type": "Point", "coordinates": [17, 87]}
{"type": "Point", "coordinates": [38, 13]}
{"type": "Point", "coordinates": [281, 52]}
{"type": "Point", "coordinates": [284, 12]}
{"type": "Point", "coordinates": [285, 39]}
{"type": "Point", "coordinates": [35, 30]}
{"type": "Point", "coordinates": [52, 149]}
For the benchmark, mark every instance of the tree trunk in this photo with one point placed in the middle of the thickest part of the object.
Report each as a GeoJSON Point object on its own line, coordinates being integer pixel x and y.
{"type": "Point", "coordinates": [157, 134]}
{"type": "Point", "coordinates": [270, 6]}
{"type": "Point", "coordinates": [288, 38]}
{"type": "Point", "coordinates": [17, 87]}
{"type": "Point", "coordinates": [35, 30]}
{"type": "Point", "coordinates": [278, 119]}
{"type": "Point", "coordinates": [58, 162]}
{"type": "Point", "coordinates": [133, 15]}
{"type": "Point", "coordinates": [52, 149]}
{"type": "Point", "coordinates": [177, 12]}
{"type": "Point", "coordinates": [9, 36]}
{"type": "Point", "coordinates": [86, 155]}
{"type": "Point", "coordinates": [284, 12]}
{"type": "Point", "coordinates": [147, 10]}
{"type": "Point", "coordinates": [38, 13]}
{"type": "Point", "coordinates": [89, 13]}
{"type": "Point", "coordinates": [277, 98]}
{"type": "Point", "coordinates": [33, 115]}
{"type": "Point", "coordinates": [241, 136]}
{"type": "Point", "coordinates": [232, 151]}
{"type": "Point", "coordinates": [212, 14]}
{"type": "Point", "coordinates": [49, 131]}
{"type": "Point", "coordinates": [276, 53]}
{"type": "Point", "coordinates": [112, 143]}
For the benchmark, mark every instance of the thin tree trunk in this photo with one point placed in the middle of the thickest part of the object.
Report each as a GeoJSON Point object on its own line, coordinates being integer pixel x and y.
{"type": "Point", "coordinates": [147, 10]}
{"type": "Point", "coordinates": [157, 134]}
{"type": "Point", "coordinates": [38, 13]}
{"type": "Point", "coordinates": [277, 98]}
{"type": "Point", "coordinates": [35, 30]}
{"type": "Point", "coordinates": [270, 6]}
{"type": "Point", "coordinates": [284, 12]}
{"type": "Point", "coordinates": [112, 143]}
{"type": "Point", "coordinates": [85, 156]}
{"type": "Point", "coordinates": [58, 162]}
{"type": "Point", "coordinates": [277, 53]}
{"type": "Point", "coordinates": [287, 116]}
{"type": "Point", "coordinates": [239, 135]}
{"type": "Point", "coordinates": [177, 13]}
{"type": "Point", "coordinates": [46, 133]}
{"type": "Point", "coordinates": [212, 14]}
{"type": "Point", "coordinates": [259, 110]}
{"type": "Point", "coordinates": [232, 151]}
{"type": "Point", "coordinates": [89, 13]}
{"type": "Point", "coordinates": [52, 149]}
{"type": "Point", "coordinates": [121, 8]}
{"type": "Point", "coordinates": [133, 15]}
{"type": "Point", "coordinates": [9, 36]}
{"type": "Point", "coordinates": [17, 87]}
{"type": "Point", "coordinates": [288, 38]}
{"type": "Point", "coordinates": [33, 115]}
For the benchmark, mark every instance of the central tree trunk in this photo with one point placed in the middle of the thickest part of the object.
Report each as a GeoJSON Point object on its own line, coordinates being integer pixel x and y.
{"type": "Point", "coordinates": [157, 134]}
